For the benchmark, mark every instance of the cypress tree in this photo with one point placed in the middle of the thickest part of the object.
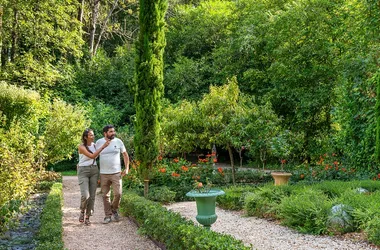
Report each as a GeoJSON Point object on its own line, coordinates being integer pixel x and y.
{"type": "Point", "coordinates": [149, 83]}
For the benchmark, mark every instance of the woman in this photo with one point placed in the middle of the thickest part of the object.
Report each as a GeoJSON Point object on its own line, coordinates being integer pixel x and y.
{"type": "Point", "coordinates": [88, 173]}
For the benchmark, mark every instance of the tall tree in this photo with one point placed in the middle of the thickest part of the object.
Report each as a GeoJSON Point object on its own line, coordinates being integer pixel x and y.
{"type": "Point", "coordinates": [38, 37]}
{"type": "Point", "coordinates": [149, 83]}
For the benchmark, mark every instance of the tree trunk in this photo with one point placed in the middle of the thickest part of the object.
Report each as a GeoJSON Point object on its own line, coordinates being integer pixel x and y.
{"type": "Point", "coordinates": [146, 188]}
{"type": "Point", "coordinates": [80, 11]}
{"type": "Point", "coordinates": [94, 19]}
{"type": "Point", "coordinates": [263, 157]}
{"type": "Point", "coordinates": [232, 163]}
{"type": "Point", "coordinates": [241, 158]}
{"type": "Point", "coordinates": [14, 35]}
{"type": "Point", "coordinates": [2, 55]}
{"type": "Point", "coordinates": [104, 26]}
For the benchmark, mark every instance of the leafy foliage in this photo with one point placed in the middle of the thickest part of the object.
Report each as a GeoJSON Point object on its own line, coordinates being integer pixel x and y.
{"type": "Point", "coordinates": [149, 87]}
{"type": "Point", "coordinates": [173, 230]}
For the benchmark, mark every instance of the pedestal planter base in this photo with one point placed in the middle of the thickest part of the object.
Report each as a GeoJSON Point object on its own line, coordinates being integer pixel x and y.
{"type": "Point", "coordinates": [280, 178]}
{"type": "Point", "coordinates": [206, 206]}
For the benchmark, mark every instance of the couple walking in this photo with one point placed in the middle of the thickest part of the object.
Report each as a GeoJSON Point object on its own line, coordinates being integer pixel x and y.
{"type": "Point", "coordinates": [108, 149]}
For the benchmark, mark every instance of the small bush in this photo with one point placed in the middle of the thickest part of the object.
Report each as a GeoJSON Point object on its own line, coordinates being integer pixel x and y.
{"type": "Point", "coordinates": [234, 197]}
{"type": "Point", "coordinates": [263, 202]}
{"type": "Point", "coordinates": [307, 211]}
{"type": "Point", "coordinates": [161, 194]}
{"type": "Point", "coordinates": [373, 229]}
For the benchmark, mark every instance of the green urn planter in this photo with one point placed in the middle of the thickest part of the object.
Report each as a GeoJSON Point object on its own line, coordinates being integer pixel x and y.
{"type": "Point", "coordinates": [205, 206]}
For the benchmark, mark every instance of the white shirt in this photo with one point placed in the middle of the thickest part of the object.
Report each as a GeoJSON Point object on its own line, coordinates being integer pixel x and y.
{"type": "Point", "coordinates": [87, 161]}
{"type": "Point", "coordinates": [109, 158]}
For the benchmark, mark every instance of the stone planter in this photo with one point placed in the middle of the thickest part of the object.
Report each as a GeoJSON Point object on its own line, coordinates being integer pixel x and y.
{"type": "Point", "coordinates": [280, 178]}
{"type": "Point", "coordinates": [205, 206]}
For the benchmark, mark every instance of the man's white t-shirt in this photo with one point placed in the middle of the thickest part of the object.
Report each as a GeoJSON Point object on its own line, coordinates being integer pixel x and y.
{"type": "Point", "coordinates": [109, 158]}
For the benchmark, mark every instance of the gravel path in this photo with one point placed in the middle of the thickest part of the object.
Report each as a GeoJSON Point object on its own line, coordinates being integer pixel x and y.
{"type": "Point", "coordinates": [264, 235]}
{"type": "Point", "coordinates": [97, 236]}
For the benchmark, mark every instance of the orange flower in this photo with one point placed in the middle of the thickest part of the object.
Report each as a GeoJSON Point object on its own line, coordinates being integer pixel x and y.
{"type": "Point", "coordinates": [208, 156]}
{"type": "Point", "coordinates": [176, 160]}
{"type": "Point", "coordinates": [215, 160]}
{"type": "Point", "coordinates": [336, 163]}
{"type": "Point", "coordinates": [200, 184]}
{"type": "Point", "coordinates": [220, 170]}
{"type": "Point", "coordinates": [174, 174]}
{"type": "Point", "coordinates": [378, 175]}
{"type": "Point", "coordinates": [184, 168]}
{"type": "Point", "coordinates": [327, 167]}
{"type": "Point", "coordinates": [193, 165]}
{"type": "Point", "coordinates": [283, 161]}
{"type": "Point", "coordinates": [302, 176]}
{"type": "Point", "coordinates": [162, 170]}
{"type": "Point", "coordinates": [159, 158]}
{"type": "Point", "coordinates": [213, 154]}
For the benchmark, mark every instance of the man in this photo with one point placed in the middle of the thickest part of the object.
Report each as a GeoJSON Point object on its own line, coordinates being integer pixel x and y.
{"type": "Point", "coordinates": [110, 171]}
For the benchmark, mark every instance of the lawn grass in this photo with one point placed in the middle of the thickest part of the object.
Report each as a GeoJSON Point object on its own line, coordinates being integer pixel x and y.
{"type": "Point", "coordinates": [69, 173]}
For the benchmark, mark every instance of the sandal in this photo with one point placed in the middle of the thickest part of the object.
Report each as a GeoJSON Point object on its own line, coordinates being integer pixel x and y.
{"type": "Point", "coordinates": [81, 217]}
{"type": "Point", "coordinates": [87, 221]}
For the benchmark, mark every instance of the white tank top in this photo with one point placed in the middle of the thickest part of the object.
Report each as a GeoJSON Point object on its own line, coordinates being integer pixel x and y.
{"type": "Point", "coordinates": [87, 161]}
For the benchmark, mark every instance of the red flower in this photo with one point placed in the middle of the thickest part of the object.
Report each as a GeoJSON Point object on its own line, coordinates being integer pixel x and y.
{"type": "Point", "coordinates": [184, 168]}
{"type": "Point", "coordinates": [174, 174]}
{"type": "Point", "coordinates": [283, 161]}
{"type": "Point", "coordinates": [378, 175]}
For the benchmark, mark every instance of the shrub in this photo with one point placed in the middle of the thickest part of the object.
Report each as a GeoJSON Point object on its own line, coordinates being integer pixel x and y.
{"type": "Point", "coordinates": [373, 229]}
{"type": "Point", "coordinates": [161, 194]}
{"type": "Point", "coordinates": [263, 201]}
{"type": "Point", "coordinates": [234, 197]}
{"type": "Point", "coordinates": [307, 211]}
{"type": "Point", "coordinates": [63, 129]}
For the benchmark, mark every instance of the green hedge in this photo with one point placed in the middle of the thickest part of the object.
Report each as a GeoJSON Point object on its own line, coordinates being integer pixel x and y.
{"type": "Point", "coordinates": [50, 234]}
{"type": "Point", "coordinates": [174, 231]}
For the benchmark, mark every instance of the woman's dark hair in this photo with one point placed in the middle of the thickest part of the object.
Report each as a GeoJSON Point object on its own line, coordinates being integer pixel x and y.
{"type": "Point", "coordinates": [84, 138]}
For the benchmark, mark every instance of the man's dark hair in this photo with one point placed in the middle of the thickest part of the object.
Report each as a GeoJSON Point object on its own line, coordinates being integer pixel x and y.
{"type": "Point", "coordinates": [107, 127]}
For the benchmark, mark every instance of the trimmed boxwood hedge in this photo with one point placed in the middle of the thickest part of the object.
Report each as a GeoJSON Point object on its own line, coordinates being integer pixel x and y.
{"type": "Point", "coordinates": [172, 230]}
